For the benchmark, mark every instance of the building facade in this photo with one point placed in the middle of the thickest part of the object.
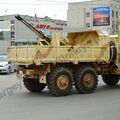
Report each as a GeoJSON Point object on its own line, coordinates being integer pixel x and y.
{"type": "Point", "coordinates": [95, 14]}
{"type": "Point", "coordinates": [12, 30]}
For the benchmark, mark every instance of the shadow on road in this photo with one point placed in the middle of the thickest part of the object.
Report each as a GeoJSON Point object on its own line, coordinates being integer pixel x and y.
{"type": "Point", "coordinates": [6, 74]}
{"type": "Point", "coordinates": [101, 89]}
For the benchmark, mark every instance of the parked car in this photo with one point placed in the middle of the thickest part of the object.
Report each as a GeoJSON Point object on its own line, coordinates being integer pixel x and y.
{"type": "Point", "coordinates": [5, 67]}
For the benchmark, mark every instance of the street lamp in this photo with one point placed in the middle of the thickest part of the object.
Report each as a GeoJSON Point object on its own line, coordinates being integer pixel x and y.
{"type": "Point", "coordinates": [6, 11]}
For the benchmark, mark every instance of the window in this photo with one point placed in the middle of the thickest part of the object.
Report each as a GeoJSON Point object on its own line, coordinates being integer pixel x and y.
{"type": "Point", "coordinates": [1, 36]}
{"type": "Point", "coordinates": [12, 28]}
{"type": "Point", "coordinates": [87, 25]}
{"type": "Point", "coordinates": [117, 14]}
{"type": "Point", "coordinates": [113, 27]}
{"type": "Point", "coordinates": [12, 35]}
{"type": "Point", "coordinates": [112, 13]}
{"type": "Point", "coordinates": [117, 26]}
{"type": "Point", "coordinates": [12, 21]}
{"type": "Point", "coordinates": [88, 14]}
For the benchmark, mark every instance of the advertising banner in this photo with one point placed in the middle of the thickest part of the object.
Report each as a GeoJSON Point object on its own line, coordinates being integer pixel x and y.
{"type": "Point", "coordinates": [101, 16]}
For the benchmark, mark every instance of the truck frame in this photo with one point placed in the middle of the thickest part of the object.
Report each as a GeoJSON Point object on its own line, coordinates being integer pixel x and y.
{"type": "Point", "coordinates": [60, 63]}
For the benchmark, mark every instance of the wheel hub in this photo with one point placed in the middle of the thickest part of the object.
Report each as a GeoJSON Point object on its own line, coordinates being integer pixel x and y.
{"type": "Point", "coordinates": [88, 80]}
{"type": "Point", "coordinates": [62, 82]}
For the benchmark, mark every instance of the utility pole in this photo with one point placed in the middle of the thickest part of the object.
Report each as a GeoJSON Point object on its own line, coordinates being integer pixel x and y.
{"type": "Point", "coordinates": [6, 11]}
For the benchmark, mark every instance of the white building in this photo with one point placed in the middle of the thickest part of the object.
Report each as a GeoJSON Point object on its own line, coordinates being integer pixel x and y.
{"type": "Point", "coordinates": [95, 14]}
{"type": "Point", "coordinates": [13, 30]}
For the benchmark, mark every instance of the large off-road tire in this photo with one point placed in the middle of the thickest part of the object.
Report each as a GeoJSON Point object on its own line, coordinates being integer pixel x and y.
{"type": "Point", "coordinates": [110, 80]}
{"type": "Point", "coordinates": [60, 82]}
{"type": "Point", "coordinates": [86, 80]}
{"type": "Point", "coordinates": [113, 53]}
{"type": "Point", "coordinates": [33, 85]}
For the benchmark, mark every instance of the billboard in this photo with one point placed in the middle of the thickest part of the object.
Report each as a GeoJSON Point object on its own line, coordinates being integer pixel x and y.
{"type": "Point", "coordinates": [101, 16]}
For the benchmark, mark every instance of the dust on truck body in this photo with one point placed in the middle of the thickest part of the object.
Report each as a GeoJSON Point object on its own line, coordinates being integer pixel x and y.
{"type": "Point", "coordinates": [60, 63]}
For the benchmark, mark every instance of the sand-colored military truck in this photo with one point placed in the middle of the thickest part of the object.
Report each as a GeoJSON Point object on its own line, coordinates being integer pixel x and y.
{"type": "Point", "coordinates": [60, 63]}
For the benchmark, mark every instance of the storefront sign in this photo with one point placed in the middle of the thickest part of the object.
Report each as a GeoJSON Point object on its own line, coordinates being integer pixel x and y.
{"type": "Point", "coordinates": [48, 27]}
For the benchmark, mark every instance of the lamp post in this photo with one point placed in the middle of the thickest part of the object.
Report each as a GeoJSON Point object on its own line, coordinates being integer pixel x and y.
{"type": "Point", "coordinates": [6, 11]}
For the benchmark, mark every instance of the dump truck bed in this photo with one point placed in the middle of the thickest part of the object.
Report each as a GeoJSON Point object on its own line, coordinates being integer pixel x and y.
{"type": "Point", "coordinates": [36, 54]}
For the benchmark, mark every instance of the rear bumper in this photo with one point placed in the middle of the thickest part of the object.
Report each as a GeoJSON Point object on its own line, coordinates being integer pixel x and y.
{"type": "Point", "coordinates": [26, 74]}
{"type": "Point", "coordinates": [30, 74]}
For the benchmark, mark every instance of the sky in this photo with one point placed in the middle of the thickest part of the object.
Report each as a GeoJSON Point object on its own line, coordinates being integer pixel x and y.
{"type": "Point", "coordinates": [56, 9]}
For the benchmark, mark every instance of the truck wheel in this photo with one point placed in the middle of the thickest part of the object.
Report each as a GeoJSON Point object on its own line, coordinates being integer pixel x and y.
{"type": "Point", "coordinates": [33, 85]}
{"type": "Point", "coordinates": [86, 79]}
{"type": "Point", "coordinates": [110, 79]}
{"type": "Point", "coordinates": [113, 53]}
{"type": "Point", "coordinates": [60, 82]}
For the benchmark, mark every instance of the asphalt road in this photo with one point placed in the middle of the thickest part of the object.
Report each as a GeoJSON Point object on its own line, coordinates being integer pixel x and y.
{"type": "Point", "coordinates": [16, 103]}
